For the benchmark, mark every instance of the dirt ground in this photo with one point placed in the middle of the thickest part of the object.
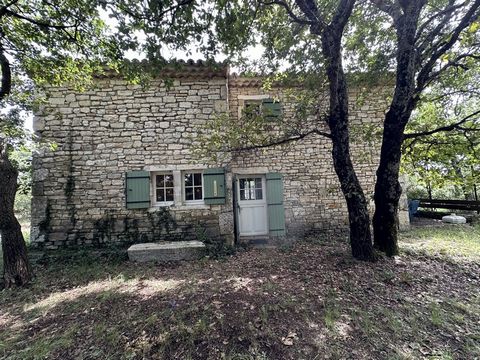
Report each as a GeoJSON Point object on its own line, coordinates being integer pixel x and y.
{"type": "Point", "coordinates": [309, 301]}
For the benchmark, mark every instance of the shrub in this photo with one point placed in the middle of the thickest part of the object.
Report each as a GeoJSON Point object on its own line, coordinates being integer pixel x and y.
{"type": "Point", "coordinates": [216, 246]}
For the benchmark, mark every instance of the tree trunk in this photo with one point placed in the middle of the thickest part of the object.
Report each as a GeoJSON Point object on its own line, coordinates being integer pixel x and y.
{"type": "Point", "coordinates": [387, 186]}
{"type": "Point", "coordinates": [16, 268]}
{"type": "Point", "coordinates": [459, 173]}
{"type": "Point", "coordinates": [388, 190]}
{"type": "Point", "coordinates": [358, 216]}
{"type": "Point", "coordinates": [474, 186]}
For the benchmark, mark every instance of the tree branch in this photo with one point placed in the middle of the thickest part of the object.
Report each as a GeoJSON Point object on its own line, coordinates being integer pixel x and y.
{"type": "Point", "coordinates": [442, 128]}
{"type": "Point", "coordinates": [289, 11]}
{"type": "Point", "coordinates": [147, 15]}
{"type": "Point", "coordinates": [342, 14]}
{"type": "Point", "coordinates": [282, 141]}
{"type": "Point", "coordinates": [310, 9]}
{"type": "Point", "coordinates": [451, 63]}
{"type": "Point", "coordinates": [389, 8]}
{"type": "Point", "coordinates": [423, 77]}
{"type": "Point", "coordinates": [38, 22]}
{"type": "Point", "coordinates": [445, 13]}
{"type": "Point", "coordinates": [3, 9]}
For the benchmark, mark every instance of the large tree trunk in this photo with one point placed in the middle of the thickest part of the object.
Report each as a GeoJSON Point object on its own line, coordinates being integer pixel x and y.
{"type": "Point", "coordinates": [387, 187]}
{"type": "Point", "coordinates": [15, 261]}
{"type": "Point", "coordinates": [359, 219]}
{"type": "Point", "coordinates": [388, 190]}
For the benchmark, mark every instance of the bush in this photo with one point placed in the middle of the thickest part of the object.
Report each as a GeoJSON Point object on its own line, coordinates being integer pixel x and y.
{"type": "Point", "coordinates": [22, 207]}
{"type": "Point", "coordinates": [216, 246]}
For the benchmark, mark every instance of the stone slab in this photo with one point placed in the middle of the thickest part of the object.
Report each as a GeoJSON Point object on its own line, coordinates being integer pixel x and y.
{"type": "Point", "coordinates": [167, 251]}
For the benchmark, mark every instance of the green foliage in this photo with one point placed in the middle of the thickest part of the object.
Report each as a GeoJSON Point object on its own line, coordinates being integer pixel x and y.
{"type": "Point", "coordinates": [226, 134]}
{"type": "Point", "coordinates": [451, 241]}
{"type": "Point", "coordinates": [54, 43]}
{"type": "Point", "coordinates": [217, 247]}
{"type": "Point", "coordinates": [446, 162]}
{"type": "Point", "coordinates": [22, 206]}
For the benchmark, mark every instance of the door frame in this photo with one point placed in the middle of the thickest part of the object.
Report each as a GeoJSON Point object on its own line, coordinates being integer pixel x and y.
{"type": "Point", "coordinates": [238, 202]}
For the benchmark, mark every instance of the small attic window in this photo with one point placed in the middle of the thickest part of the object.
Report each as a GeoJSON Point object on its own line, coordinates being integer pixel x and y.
{"type": "Point", "coordinates": [254, 105]}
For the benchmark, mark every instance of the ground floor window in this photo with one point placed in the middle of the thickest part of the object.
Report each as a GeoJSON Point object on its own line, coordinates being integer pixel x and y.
{"type": "Point", "coordinates": [164, 188]}
{"type": "Point", "coordinates": [193, 186]}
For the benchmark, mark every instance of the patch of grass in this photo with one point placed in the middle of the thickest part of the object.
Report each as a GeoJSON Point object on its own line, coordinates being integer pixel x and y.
{"type": "Point", "coordinates": [449, 240]}
{"type": "Point", "coordinates": [363, 320]}
{"type": "Point", "coordinates": [244, 307]}
{"type": "Point", "coordinates": [436, 316]}
{"type": "Point", "coordinates": [255, 355]}
{"type": "Point", "coordinates": [387, 276]}
{"type": "Point", "coordinates": [41, 347]}
{"type": "Point", "coordinates": [332, 311]}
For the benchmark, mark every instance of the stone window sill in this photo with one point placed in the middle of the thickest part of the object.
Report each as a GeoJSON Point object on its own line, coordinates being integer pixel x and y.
{"type": "Point", "coordinates": [181, 207]}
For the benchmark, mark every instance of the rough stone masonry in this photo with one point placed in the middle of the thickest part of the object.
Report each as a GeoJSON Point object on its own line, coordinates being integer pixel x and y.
{"type": "Point", "coordinates": [116, 127]}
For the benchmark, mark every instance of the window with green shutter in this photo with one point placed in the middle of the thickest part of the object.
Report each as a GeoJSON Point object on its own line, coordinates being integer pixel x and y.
{"type": "Point", "coordinates": [275, 206]}
{"type": "Point", "coordinates": [271, 108]}
{"type": "Point", "coordinates": [214, 186]}
{"type": "Point", "coordinates": [137, 189]}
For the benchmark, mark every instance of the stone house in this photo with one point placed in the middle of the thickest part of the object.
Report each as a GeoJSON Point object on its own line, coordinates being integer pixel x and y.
{"type": "Point", "coordinates": [124, 170]}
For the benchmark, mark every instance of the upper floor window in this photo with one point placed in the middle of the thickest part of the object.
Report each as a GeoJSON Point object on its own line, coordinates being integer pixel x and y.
{"type": "Point", "coordinates": [164, 188]}
{"type": "Point", "coordinates": [252, 108]}
{"type": "Point", "coordinates": [193, 186]}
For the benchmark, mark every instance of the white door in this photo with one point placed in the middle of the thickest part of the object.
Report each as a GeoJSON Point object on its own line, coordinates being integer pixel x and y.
{"type": "Point", "coordinates": [252, 205]}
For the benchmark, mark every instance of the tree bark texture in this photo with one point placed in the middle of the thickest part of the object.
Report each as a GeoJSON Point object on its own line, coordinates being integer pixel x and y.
{"type": "Point", "coordinates": [359, 219]}
{"type": "Point", "coordinates": [16, 268]}
{"type": "Point", "coordinates": [387, 186]}
{"type": "Point", "coordinates": [6, 75]}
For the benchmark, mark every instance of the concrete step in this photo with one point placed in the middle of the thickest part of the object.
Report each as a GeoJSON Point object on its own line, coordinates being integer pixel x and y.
{"type": "Point", "coordinates": [262, 242]}
{"type": "Point", "coordinates": [166, 251]}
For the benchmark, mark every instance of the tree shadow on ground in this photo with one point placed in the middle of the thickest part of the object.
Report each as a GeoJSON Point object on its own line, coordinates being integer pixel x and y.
{"type": "Point", "coordinates": [308, 301]}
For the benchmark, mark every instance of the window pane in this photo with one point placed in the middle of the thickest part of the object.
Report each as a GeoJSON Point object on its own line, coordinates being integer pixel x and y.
{"type": "Point", "coordinates": [169, 194]}
{"type": "Point", "coordinates": [160, 195]}
{"type": "Point", "coordinates": [188, 180]}
{"type": "Point", "coordinates": [197, 179]}
{"type": "Point", "coordinates": [169, 180]}
{"type": "Point", "coordinates": [242, 195]}
{"type": "Point", "coordinates": [258, 183]}
{"type": "Point", "coordinates": [242, 184]}
{"type": "Point", "coordinates": [258, 194]}
{"type": "Point", "coordinates": [252, 194]}
{"type": "Point", "coordinates": [252, 108]}
{"type": "Point", "coordinates": [188, 193]}
{"type": "Point", "coordinates": [198, 193]}
{"type": "Point", "coordinates": [159, 181]}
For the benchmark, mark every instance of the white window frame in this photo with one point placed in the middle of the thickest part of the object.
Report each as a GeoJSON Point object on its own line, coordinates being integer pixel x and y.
{"type": "Point", "coordinates": [262, 188]}
{"type": "Point", "coordinates": [154, 188]}
{"type": "Point", "coordinates": [184, 193]}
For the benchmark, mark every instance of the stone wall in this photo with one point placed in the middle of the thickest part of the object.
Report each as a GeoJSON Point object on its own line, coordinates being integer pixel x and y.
{"type": "Point", "coordinates": [78, 189]}
{"type": "Point", "coordinates": [314, 202]}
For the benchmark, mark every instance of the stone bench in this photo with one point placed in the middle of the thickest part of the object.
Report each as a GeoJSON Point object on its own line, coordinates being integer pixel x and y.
{"type": "Point", "coordinates": [168, 251]}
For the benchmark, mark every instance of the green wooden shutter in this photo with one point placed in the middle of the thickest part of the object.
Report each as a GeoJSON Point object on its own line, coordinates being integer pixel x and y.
{"type": "Point", "coordinates": [137, 189]}
{"type": "Point", "coordinates": [271, 108]}
{"type": "Point", "coordinates": [276, 209]}
{"type": "Point", "coordinates": [214, 186]}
